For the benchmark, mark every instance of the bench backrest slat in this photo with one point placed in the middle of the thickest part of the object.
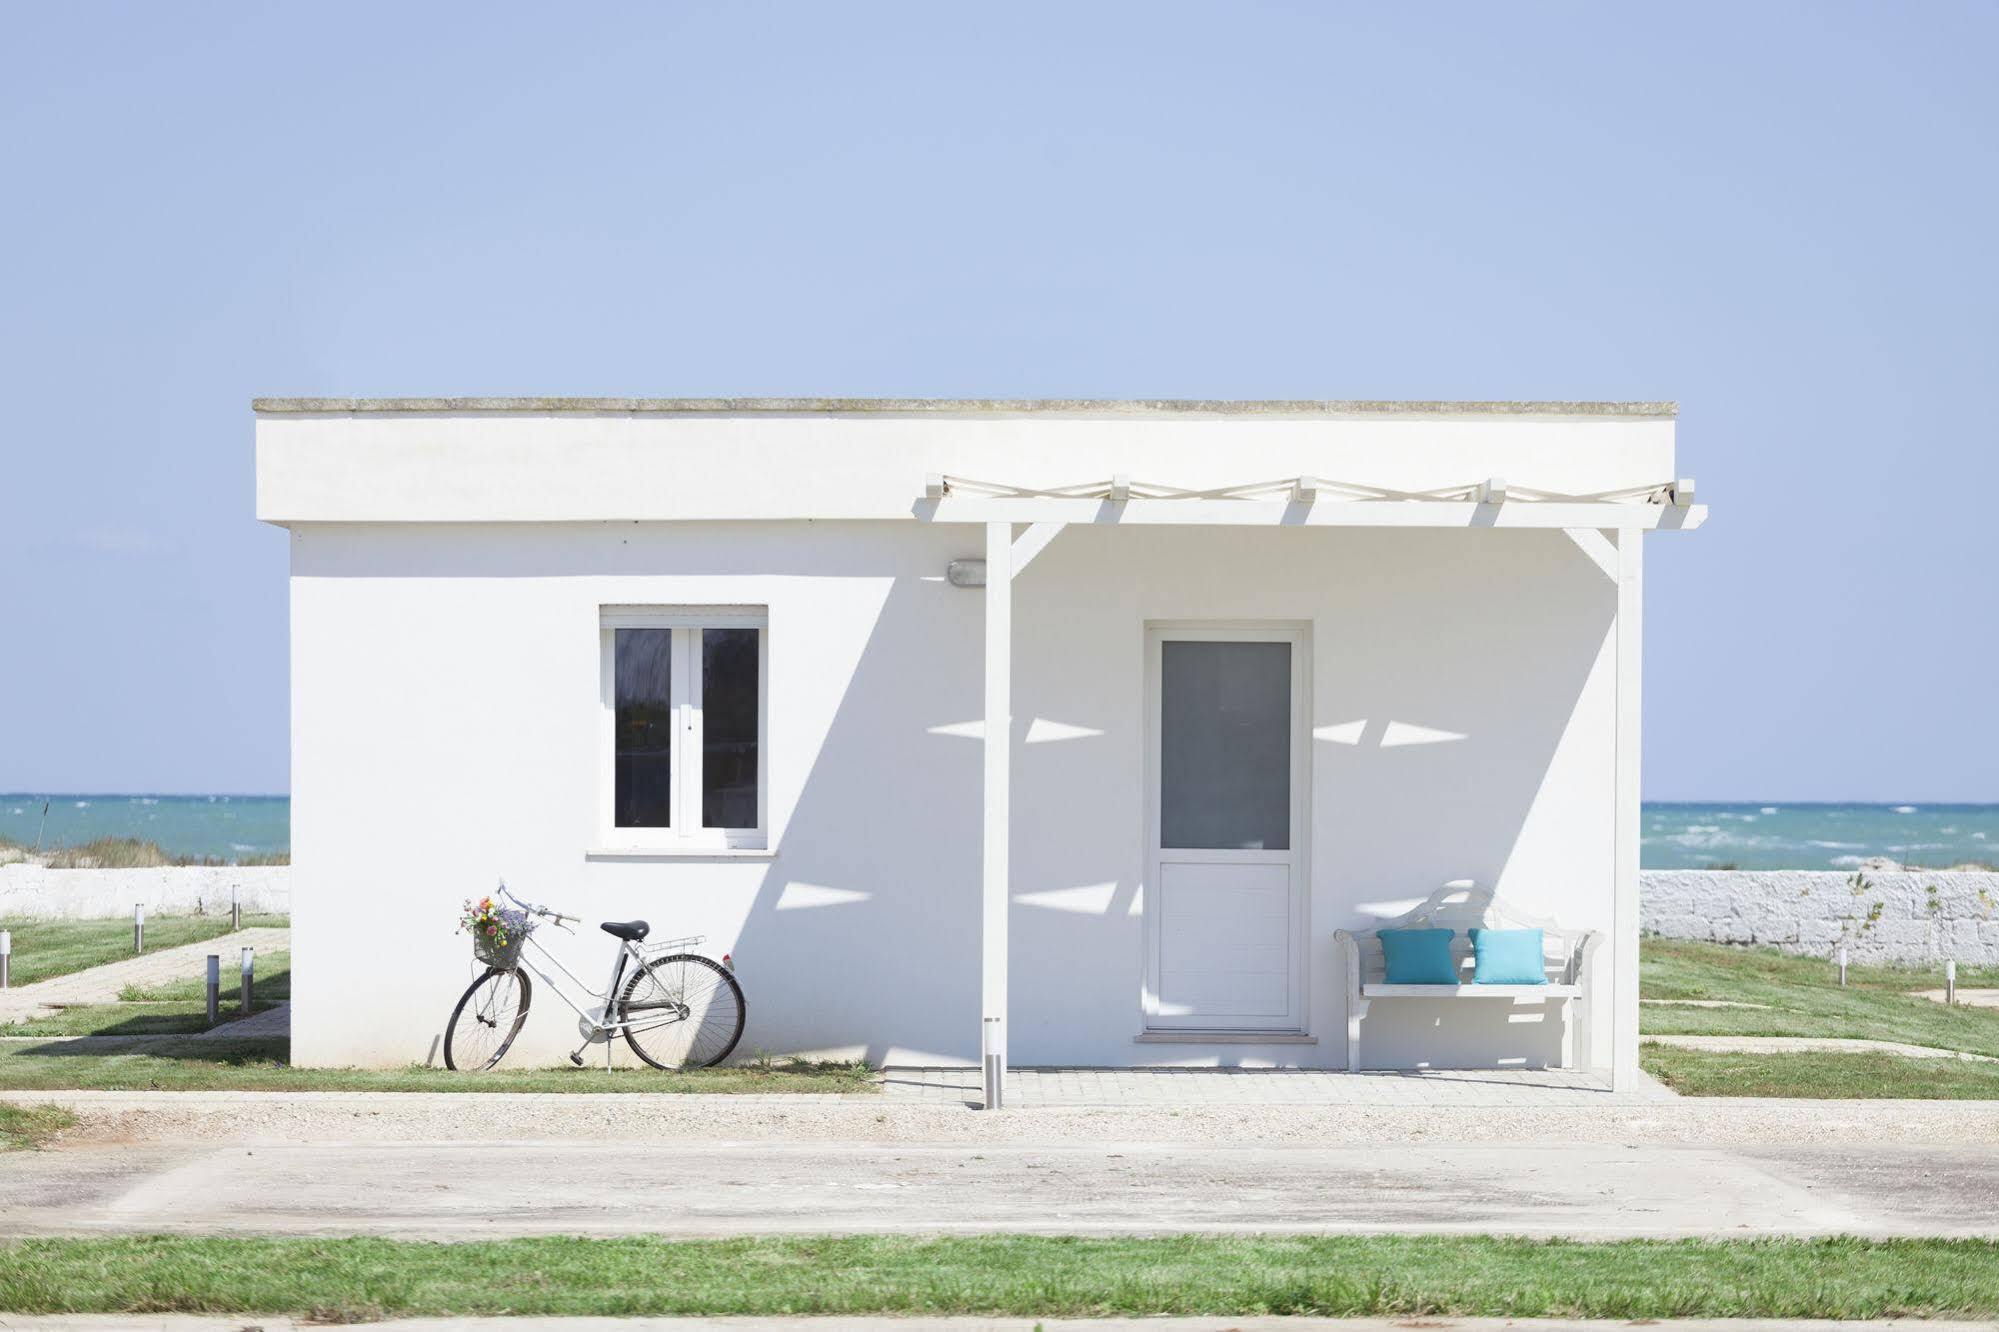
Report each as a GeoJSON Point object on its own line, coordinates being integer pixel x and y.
{"type": "Point", "coordinates": [1462, 906]}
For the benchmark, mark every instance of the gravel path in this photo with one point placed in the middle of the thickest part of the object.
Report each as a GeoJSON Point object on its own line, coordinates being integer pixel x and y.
{"type": "Point", "coordinates": [196, 1323]}
{"type": "Point", "coordinates": [102, 985]}
{"type": "Point", "coordinates": [275, 1022]}
{"type": "Point", "coordinates": [274, 1117]}
{"type": "Point", "coordinates": [453, 1190]}
{"type": "Point", "coordinates": [1813, 1045]}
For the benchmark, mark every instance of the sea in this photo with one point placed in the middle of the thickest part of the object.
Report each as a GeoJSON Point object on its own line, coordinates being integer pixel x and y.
{"type": "Point", "coordinates": [208, 827]}
{"type": "Point", "coordinates": [1677, 835]}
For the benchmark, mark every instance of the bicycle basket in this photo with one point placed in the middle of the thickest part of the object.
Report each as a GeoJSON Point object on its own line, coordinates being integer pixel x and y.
{"type": "Point", "coordinates": [504, 957]}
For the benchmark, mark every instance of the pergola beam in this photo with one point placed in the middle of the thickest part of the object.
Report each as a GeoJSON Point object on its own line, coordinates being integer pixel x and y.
{"type": "Point", "coordinates": [1325, 512]}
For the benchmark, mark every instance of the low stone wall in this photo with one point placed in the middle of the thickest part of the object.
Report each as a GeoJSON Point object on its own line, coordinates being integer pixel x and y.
{"type": "Point", "coordinates": [80, 894]}
{"type": "Point", "coordinates": [1912, 918]}
{"type": "Point", "coordinates": [1900, 917]}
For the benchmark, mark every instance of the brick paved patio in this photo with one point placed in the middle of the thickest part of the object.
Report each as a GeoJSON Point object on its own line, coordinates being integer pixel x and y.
{"type": "Point", "coordinates": [1240, 1086]}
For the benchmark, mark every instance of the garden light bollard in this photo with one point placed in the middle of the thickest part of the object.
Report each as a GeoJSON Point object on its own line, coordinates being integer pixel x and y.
{"type": "Point", "coordinates": [235, 912]}
{"type": "Point", "coordinates": [1950, 982]}
{"type": "Point", "coordinates": [6, 958]}
{"type": "Point", "coordinates": [214, 988]}
{"type": "Point", "coordinates": [138, 927]}
{"type": "Point", "coordinates": [249, 962]}
{"type": "Point", "coordinates": [1842, 966]}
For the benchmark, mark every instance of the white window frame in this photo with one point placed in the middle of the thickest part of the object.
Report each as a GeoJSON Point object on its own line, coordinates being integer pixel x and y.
{"type": "Point", "coordinates": [686, 836]}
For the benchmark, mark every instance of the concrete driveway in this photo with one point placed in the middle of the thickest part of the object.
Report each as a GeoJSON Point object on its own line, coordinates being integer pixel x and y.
{"type": "Point", "coordinates": [443, 1190]}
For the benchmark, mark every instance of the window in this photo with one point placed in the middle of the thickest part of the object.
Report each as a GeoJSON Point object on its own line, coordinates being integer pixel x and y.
{"type": "Point", "coordinates": [684, 703]}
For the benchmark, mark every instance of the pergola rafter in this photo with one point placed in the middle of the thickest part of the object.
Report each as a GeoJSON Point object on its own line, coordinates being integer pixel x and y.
{"type": "Point", "coordinates": [1119, 489]}
{"type": "Point", "coordinates": [1312, 501]}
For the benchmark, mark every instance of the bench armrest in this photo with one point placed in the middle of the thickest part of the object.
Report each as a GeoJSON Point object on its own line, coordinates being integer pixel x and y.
{"type": "Point", "coordinates": [1349, 943]}
{"type": "Point", "coordinates": [1579, 958]}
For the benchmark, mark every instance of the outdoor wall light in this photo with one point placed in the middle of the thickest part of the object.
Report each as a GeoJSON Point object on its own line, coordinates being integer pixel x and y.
{"type": "Point", "coordinates": [966, 573]}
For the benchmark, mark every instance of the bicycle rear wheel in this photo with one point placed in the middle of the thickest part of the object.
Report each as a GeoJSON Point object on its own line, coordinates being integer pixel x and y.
{"type": "Point", "coordinates": [685, 1012]}
{"type": "Point", "coordinates": [487, 1019]}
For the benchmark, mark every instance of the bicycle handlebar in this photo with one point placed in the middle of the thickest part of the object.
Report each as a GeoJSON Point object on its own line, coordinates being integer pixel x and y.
{"type": "Point", "coordinates": [534, 910]}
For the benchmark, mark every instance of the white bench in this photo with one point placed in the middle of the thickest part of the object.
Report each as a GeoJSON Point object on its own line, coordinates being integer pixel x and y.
{"type": "Point", "coordinates": [1461, 905]}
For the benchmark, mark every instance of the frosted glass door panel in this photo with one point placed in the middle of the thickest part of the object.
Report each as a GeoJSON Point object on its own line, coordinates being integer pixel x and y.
{"type": "Point", "coordinates": [1225, 745]}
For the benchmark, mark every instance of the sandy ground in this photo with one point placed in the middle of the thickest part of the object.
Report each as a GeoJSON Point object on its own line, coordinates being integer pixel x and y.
{"type": "Point", "coordinates": [1814, 1045]}
{"type": "Point", "coordinates": [437, 1191]}
{"type": "Point", "coordinates": [1966, 998]}
{"type": "Point", "coordinates": [424, 1165]}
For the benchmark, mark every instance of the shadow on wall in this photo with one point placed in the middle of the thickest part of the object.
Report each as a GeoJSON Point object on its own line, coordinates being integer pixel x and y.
{"type": "Point", "coordinates": [1435, 758]}
{"type": "Point", "coordinates": [861, 932]}
{"type": "Point", "coordinates": [864, 934]}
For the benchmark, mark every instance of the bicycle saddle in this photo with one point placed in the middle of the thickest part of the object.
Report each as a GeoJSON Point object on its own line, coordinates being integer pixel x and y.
{"type": "Point", "coordinates": [632, 930]}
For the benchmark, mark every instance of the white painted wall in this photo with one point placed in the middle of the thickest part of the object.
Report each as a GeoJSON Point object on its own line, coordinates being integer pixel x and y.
{"type": "Point", "coordinates": [34, 892]}
{"type": "Point", "coordinates": [542, 467]}
{"type": "Point", "coordinates": [445, 684]}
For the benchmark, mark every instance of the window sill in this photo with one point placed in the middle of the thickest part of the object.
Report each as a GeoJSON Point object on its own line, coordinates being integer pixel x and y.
{"type": "Point", "coordinates": [680, 853]}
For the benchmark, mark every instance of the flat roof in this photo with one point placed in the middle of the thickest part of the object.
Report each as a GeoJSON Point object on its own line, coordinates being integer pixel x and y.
{"type": "Point", "coordinates": [959, 407]}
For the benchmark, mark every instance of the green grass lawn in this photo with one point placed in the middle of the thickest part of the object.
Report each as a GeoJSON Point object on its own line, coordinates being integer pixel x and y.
{"type": "Point", "coordinates": [1831, 1077]}
{"type": "Point", "coordinates": [185, 1017]}
{"type": "Point", "coordinates": [176, 1008]}
{"type": "Point", "coordinates": [169, 1064]}
{"type": "Point", "coordinates": [1026, 1276]}
{"type": "Point", "coordinates": [31, 1125]}
{"type": "Point", "coordinates": [1803, 997]}
{"type": "Point", "coordinates": [45, 948]}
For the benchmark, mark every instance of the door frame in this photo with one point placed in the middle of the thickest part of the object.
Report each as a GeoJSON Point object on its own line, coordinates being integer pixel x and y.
{"type": "Point", "coordinates": [1298, 633]}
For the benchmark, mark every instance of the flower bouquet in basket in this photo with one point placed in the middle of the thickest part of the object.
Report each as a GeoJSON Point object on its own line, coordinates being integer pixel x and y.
{"type": "Point", "coordinates": [497, 932]}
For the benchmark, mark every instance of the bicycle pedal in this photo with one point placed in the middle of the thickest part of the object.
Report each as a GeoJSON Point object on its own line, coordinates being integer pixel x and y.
{"type": "Point", "coordinates": [576, 1059]}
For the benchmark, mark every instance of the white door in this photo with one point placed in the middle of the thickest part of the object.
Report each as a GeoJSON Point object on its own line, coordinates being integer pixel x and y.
{"type": "Point", "coordinates": [1224, 898]}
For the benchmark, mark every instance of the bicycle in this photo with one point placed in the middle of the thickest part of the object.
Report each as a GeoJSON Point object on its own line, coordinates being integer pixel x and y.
{"type": "Point", "coordinates": [677, 1009]}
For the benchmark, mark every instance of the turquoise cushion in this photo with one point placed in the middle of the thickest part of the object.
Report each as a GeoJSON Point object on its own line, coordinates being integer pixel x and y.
{"type": "Point", "coordinates": [1418, 957]}
{"type": "Point", "coordinates": [1507, 957]}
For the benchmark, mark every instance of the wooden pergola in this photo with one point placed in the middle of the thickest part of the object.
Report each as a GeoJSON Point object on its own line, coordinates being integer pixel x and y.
{"type": "Point", "coordinates": [1020, 523]}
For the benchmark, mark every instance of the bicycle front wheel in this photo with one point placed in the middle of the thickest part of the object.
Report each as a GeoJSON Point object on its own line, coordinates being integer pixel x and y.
{"type": "Point", "coordinates": [684, 1011]}
{"type": "Point", "coordinates": [487, 1019]}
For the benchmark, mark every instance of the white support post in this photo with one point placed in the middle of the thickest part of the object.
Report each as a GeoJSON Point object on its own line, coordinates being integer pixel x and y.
{"type": "Point", "coordinates": [1624, 940]}
{"type": "Point", "coordinates": [998, 772]}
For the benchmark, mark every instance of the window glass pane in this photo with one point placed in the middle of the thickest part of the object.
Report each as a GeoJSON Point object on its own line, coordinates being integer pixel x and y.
{"type": "Point", "coordinates": [729, 728]}
{"type": "Point", "coordinates": [643, 681]}
{"type": "Point", "coordinates": [1225, 745]}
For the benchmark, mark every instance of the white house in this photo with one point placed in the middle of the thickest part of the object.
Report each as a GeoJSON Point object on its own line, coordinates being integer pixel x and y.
{"type": "Point", "coordinates": [1274, 669]}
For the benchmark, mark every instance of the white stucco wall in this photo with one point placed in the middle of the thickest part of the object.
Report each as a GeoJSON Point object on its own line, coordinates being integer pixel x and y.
{"type": "Point", "coordinates": [30, 891]}
{"type": "Point", "coordinates": [541, 466]}
{"type": "Point", "coordinates": [445, 695]}
{"type": "Point", "coordinates": [1912, 918]}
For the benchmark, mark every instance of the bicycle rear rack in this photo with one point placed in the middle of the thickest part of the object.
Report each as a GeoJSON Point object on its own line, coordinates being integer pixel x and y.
{"type": "Point", "coordinates": [654, 947]}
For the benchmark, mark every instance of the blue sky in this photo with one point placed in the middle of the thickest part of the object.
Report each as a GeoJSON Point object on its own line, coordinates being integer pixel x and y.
{"type": "Point", "coordinates": [1780, 215]}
